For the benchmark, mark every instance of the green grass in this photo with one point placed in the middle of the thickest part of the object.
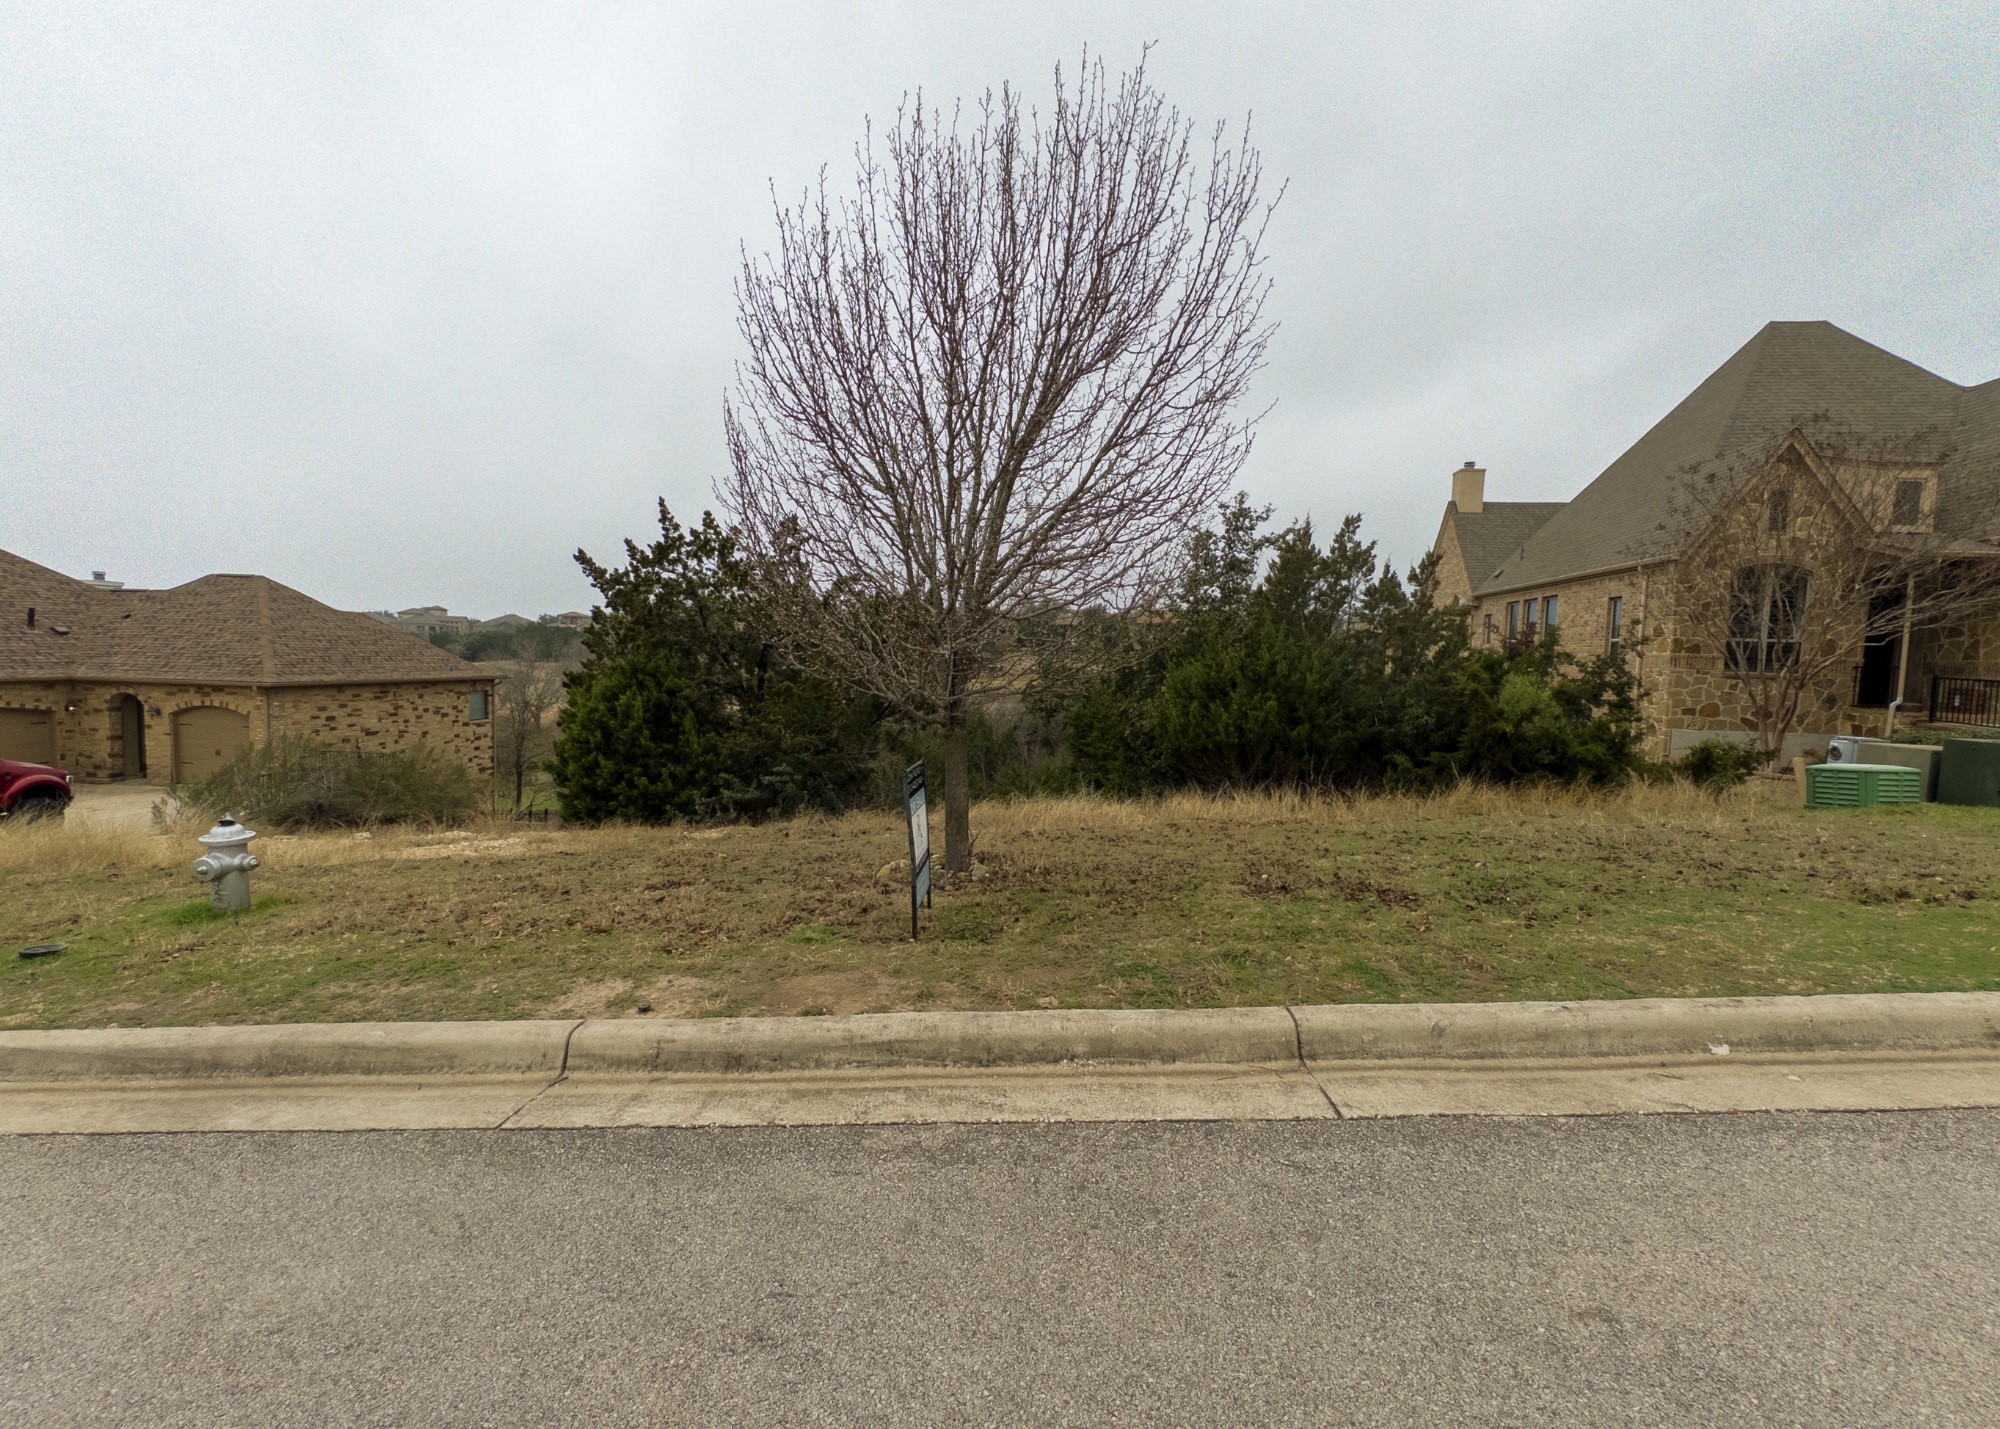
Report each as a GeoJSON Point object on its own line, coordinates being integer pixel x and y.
{"type": "Point", "coordinates": [1475, 896]}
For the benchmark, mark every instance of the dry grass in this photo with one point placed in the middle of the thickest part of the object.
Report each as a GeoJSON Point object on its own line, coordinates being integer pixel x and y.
{"type": "Point", "coordinates": [1192, 900]}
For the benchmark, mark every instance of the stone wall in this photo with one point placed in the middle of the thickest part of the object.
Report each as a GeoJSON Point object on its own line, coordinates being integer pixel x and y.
{"type": "Point", "coordinates": [1454, 586]}
{"type": "Point", "coordinates": [90, 739]}
{"type": "Point", "coordinates": [1583, 610]}
{"type": "Point", "coordinates": [384, 717]}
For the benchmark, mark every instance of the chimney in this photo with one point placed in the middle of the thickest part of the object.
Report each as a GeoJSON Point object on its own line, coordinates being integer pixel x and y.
{"type": "Point", "coordinates": [1468, 489]}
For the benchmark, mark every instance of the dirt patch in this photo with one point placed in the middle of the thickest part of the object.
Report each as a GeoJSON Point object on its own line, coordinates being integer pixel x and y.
{"type": "Point", "coordinates": [832, 993]}
{"type": "Point", "coordinates": [621, 997]}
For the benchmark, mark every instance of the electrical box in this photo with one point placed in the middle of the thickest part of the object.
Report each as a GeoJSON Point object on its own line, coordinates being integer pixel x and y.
{"type": "Point", "coordinates": [1921, 757]}
{"type": "Point", "coordinates": [1862, 786]}
{"type": "Point", "coordinates": [1969, 772]}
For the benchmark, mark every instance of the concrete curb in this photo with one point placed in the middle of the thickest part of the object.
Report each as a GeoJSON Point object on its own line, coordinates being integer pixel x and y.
{"type": "Point", "coordinates": [934, 1039]}
{"type": "Point", "coordinates": [334, 1049]}
{"type": "Point", "coordinates": [1357, 1033]}
{"type": "Point", "coordinates": [1651, 1027]}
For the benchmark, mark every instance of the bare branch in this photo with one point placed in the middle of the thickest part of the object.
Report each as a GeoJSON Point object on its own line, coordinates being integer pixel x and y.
{"type": "Point", "coordinates": [996, 384]}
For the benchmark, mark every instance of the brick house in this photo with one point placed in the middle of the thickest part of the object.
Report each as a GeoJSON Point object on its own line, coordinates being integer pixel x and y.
{"type": "Point", "coordinates": [1800, 418]}
{"type": "Point", "coordinates": [165, 685]}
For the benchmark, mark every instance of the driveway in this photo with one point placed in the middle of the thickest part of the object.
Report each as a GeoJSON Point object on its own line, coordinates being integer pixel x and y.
{"type": "Point", "coordinates": [126, 805]}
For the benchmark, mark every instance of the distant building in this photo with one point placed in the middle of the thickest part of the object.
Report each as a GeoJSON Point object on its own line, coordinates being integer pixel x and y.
{"type": "Point", "coordinates": [424, 621]}
{"type": "Point", "coordinates": [167, 685]}
{"type": "Point", "coordinates": [569, 620]}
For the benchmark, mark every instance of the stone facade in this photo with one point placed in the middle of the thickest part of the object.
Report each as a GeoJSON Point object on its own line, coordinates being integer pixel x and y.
{"type": "Point", "coordinates": [90, 735]}
{"type": "Point", "coordinates": [1688, 688]}
{"type": "Point", "coordinates": [384, 717]}
{"type": "Point", "coordinates": [1454, 584]}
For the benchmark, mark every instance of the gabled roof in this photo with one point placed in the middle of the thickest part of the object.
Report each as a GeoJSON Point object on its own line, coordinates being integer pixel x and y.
{"type": "Point", "coordinates": [1490, 535]}
{"type": "Point", "coordinates": [223, 629]}
{"type": "Point", "coordinates": [1810, 376]}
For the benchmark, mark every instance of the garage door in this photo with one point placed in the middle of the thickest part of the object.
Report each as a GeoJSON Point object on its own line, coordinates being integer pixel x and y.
{"type": "Point", "coordinates": [205, 740]}
{"type": "Point", "coordinates": [29, 735]}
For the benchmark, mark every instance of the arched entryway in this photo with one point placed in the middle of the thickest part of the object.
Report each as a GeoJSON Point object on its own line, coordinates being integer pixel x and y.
{"type": "Point", "coordinates": [205, 739]}
{"type": "Point", "coordinates": [131, 717]}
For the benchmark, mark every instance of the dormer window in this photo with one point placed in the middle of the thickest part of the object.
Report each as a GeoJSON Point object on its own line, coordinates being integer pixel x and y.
{"type": "Point", "coordinates": [1780, 511]}
{"type": "Point", "coordinates": [1907, 507]}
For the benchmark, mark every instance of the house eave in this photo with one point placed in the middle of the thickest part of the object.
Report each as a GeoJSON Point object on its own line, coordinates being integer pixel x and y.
{"type": "Point", "coordinates": [1484, 591]}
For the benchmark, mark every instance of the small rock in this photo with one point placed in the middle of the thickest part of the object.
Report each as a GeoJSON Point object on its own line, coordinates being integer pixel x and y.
{"type": "Point", "coordinates": [645, 1007]}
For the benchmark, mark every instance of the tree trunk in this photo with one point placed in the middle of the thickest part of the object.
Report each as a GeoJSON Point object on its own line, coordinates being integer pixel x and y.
{"type": "Point", "coordinates": [957, 796]}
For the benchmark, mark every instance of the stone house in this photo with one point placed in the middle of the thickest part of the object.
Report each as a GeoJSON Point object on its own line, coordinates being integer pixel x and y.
{"type": "Point", "coordinates": [1804, 424]}
{"type": "Point", "coordinates": [166, 685]}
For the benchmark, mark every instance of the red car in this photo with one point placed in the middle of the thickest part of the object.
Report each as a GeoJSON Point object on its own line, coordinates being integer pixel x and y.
{"type": "Point", "coordinates": [32, 791]}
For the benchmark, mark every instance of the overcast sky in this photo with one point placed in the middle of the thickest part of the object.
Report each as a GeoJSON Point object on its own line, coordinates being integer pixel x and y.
{"type": "Point", "coordinates": [401, 303]}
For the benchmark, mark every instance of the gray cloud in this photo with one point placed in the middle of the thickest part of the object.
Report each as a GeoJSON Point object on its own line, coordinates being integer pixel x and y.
{"type": "Point", "coordinates": [405, 302]}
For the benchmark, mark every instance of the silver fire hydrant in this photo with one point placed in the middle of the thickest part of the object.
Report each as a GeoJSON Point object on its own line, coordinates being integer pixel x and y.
{"type": "Point", "coordinates": [227, 864]}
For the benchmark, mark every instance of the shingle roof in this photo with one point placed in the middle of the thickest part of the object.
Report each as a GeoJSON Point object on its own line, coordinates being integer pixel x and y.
{"type": "Point", "coordinates": [1490, 535]}
{"type": "Point", "coordinates": [1808, 375]}
{"type": "Point", "coordinates": [233, 630]}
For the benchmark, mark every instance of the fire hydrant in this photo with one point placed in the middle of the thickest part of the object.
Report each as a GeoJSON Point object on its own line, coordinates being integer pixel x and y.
{"type": "Point", "coordinates": [227, 864]}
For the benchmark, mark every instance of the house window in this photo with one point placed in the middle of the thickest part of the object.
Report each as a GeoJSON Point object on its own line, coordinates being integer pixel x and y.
{"type": "Point", "coordinates": [1489, 628]}
{"type": "Point", "coordinates": [1549, 613]}
{"type": "Point", "coordinates": [1908, 508]}
{"type": "Point", "coordinates": [1780, 510]}
{"type": "Point", "coordinates": [1767, 606]}
{"type": "Point", "coordinates": [1614, 621]}
{"type": "Point", "coordinates": [475, 705]}
{"type": "Point", "coordinates": [1513, 619]}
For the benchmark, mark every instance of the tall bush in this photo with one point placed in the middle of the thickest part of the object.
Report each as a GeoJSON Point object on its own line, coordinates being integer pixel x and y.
{"type": "Point", "coordinates": [683, 709]}
{"type": "Point", "coordinates": [294, 783]}
{"type": "Point", "coordinates": [1289, 663]}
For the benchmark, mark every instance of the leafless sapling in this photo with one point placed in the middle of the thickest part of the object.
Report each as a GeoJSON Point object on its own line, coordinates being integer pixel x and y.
{"type": "Point", "coordinates": [990, 392]}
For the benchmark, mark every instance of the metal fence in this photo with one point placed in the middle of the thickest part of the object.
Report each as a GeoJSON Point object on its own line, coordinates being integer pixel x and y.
{"type": "Point", "coordinates": [1960, 699]}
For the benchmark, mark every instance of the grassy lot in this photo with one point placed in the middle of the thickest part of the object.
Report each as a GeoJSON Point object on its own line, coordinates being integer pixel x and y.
{"type": "Point", "coordinates": [1187, 902]}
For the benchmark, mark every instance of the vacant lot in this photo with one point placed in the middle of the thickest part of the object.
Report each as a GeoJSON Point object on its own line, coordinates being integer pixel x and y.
{"type": "Point", "coordinates": [1188, 902]}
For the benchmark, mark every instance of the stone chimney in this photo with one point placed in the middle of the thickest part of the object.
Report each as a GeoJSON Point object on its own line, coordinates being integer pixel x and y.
{"type": "Point", "coordinates": [1468, 489]}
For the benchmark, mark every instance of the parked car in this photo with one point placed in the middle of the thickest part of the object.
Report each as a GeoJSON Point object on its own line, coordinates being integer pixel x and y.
{"type": "Point", "coordinates": [32, 791]}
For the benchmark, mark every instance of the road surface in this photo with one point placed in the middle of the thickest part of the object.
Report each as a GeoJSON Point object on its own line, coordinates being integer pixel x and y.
{"type": "Point", "coordinates": [1685, 1270]}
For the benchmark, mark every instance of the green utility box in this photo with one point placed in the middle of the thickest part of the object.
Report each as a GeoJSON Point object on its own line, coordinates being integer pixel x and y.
{"type": "Point", "coordinates": [1969, 772]}
{"type": "Point", "coordinates": [1862, 786]}
{"type": "Point", "coordinates": [1921, 757]}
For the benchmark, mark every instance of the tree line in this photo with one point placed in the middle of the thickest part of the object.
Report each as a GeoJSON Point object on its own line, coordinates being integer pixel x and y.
{"type": "Point", "coordinates": [993, 393]}
{"type": "Point", "coordinates": [1280, 661]}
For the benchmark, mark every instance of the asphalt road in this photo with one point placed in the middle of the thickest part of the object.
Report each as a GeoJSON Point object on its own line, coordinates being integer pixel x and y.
{"type": "Point", "coordinates": [1679, 1270]}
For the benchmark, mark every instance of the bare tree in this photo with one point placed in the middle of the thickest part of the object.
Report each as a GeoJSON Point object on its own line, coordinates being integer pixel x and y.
{"type": "Point", "coordinates": [1800, 563]}
{"type": "Point", "coordinates": [527, 694]}
{"type": "Point", "coordinates": [992, 391]}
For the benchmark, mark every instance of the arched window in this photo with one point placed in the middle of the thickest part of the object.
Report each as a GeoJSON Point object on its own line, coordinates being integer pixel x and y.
{"type": "Point", "coordinates": [1767, 607]}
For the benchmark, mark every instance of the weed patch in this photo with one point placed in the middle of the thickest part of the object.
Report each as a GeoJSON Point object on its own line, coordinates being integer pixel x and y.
{"type": "Point", "coordinates": [1188, 901]}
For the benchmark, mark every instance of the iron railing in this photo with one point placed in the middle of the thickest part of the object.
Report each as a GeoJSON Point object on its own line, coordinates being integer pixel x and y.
{"type": "Point", "coordinates": [1872, 694]}
{"type": "Point", "coordinates": [1960, 699]}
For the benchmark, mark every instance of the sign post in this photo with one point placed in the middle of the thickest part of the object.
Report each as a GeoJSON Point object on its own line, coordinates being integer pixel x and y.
{"type": "Point", "coordinates": [917, 807]}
